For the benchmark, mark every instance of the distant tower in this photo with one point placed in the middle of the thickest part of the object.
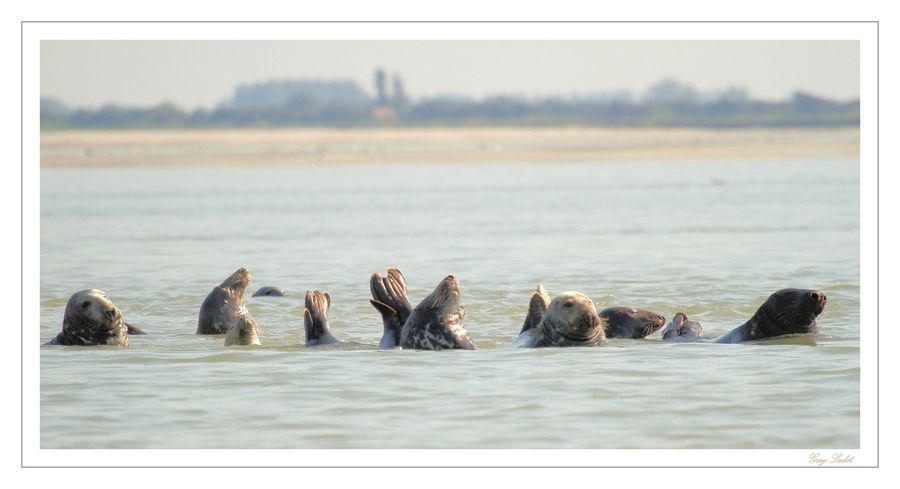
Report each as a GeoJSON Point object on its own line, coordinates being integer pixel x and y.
{"type": "Point", "coordinates": [400, 99]}
{"type": "Point", "coordinates": [381, 86]}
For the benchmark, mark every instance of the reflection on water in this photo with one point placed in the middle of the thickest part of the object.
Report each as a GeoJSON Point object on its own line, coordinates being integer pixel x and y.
{"type": "Point", "coordinates": [710, 239]}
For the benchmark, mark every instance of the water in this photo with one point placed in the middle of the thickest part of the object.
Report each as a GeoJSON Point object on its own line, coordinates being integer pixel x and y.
{"type": "Point", "coordinates": [711, 239]}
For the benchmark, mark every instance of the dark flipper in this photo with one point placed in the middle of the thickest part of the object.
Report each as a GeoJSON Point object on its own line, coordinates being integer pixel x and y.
{"type": "Point", "coordinates": [389, 298]}
{"type": "Point", "coordinates": [132, 329]}
{"type": "Point", "coordinates": [315, 319]}
{"type": "Point", "coordinates": [537, 307]}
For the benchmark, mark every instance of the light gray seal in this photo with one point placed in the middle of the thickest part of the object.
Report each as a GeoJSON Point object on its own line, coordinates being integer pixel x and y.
{"type": "Point", "coordinates": [91, 318]}
{"type": "Point", "coordinates": [437, 322]}
{"type": "Point", "coordinates": [223, 312]}
{"type": "Point", "coordinates": [682, 328]}
{"type": "Point", "coordinates": [570, 319]}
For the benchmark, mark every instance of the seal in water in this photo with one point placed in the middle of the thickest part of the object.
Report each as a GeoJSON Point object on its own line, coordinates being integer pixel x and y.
{"type": "Point", "coordinates": [91, 318]}
{"type": "Point", "coordinates": [682, 328]}
{"type": "Point", "coordinates": [224, 310]}
{"type": "Point", "coordinates": [315, 319]}
{"type": "Point", "coordinates": [787, 311]}
{"type": "Point", "coordinates": [628, 322]}
{"type": "Point", "coordinates": [268, 291]}
{"type": "Point", "coordinates": [570, 319]}
{"type": "Point", "coordinates": [389, 298]}
{"type": "Point", "coordinates": [437, 322]}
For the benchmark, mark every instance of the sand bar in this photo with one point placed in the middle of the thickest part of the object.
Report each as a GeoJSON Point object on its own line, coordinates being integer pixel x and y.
{"type": "Point", "coordinates": [425, 145]}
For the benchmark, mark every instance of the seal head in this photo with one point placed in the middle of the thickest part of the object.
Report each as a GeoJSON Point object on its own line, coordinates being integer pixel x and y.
{"type": "Point", "coordinates": [628, 322]}
{"type": "Point", "coordinates": [268, 291]}
{"type": "Point", "coordinates": [224, 307]}
{"type": "Point", "coordinates": [571, 320]}
{"type": "Point", "coordinates": [315, 319]}
{"type": "Point", "coordinates": [787, 311]}
{"type": "Point", "coordinates": [91, 318]}
{"type": "Point", "coordinates": [437, 322]}
{"type": "Point", "coordinates": [682, 328]}
{"type": "Point", "coordinates": [389, 298]}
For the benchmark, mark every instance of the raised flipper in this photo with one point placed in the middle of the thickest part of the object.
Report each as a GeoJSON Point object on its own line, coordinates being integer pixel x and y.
{"type": "Point", "coordinates": [132, 329]}
{"type": "Point", "coordinates": [537, 307]}
{"type": "Point", "coordinates": [682, 328]}
{"type": "Point", "coordinates": [315, 319]}
{"type": "Point", "coordinates": [390, 299]}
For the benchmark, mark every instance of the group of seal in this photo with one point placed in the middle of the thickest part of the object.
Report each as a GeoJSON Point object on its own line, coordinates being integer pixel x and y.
{"type": "Point", "coordinates": [436, 323]}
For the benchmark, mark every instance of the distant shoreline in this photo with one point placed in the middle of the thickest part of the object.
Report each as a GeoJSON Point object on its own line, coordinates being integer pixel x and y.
{"type": "Point", "coordinates": [301, 146]}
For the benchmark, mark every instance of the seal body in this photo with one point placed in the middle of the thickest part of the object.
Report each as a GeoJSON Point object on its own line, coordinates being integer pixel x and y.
{"type": "Point", "coordinates": [315, 319]}
{"type": "Point", "coordinates": [269, 291]}
{"type": "Point", "coordinates": [91, 318]}
{"type": "Point", "coordinates": [224, 310]}
{"type": "Point", "coordinates": [787, 311]}
{"type": "Point", "coordinates": [437, 322]}
{"type": "Point", "coordinates": [682, 328]}
{"type": "Point", "coordinates": [389, 298]}
{"type": "Point", "coordinates": [628, 322]}
{"type": "Point", "coordinates": [570, 319]}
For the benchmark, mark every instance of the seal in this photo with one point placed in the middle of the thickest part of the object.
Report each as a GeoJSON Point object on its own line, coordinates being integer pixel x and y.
{"type": "Point", "coordinates": [437, 322]}
{"type": "Point", "coordinates": [91, 318]}
{"type": "Point", "coordinates": [315, 319]}
{"type": "Point", "coordinates": [682, 328]}
{"type": "Point", "coordinates": [390, 299]}
{"type": "Point", "coordinates": [628, 322]}
{"type": "Point", "coordinates": [269, 291]}
{"type": "Point", "coordinates": [570, 319]}
{"type": "Point", "coordinates": [785, 312]}
{"type": "Point", "coordinates": [224, 310]}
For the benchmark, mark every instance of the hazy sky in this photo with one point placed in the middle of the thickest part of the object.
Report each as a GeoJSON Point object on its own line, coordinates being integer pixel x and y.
{"type": "Point", "coordinates": [204, 73]}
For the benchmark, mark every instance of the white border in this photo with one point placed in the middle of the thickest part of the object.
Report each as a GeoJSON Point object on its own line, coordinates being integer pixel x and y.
{"type": "Point", "coordinates": [33, 33]}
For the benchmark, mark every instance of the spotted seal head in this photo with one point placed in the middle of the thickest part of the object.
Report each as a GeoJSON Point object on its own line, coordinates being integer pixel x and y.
{"type": "Point", "coordinates": [389, 298]}
{"type": "Point", "coordinates": [91, 318]}
{"type": "Point", "coordinates": [682, 328]}
{"type": "Point", "coordinates": [628, 322]}
{"type": "Point", "coordinates": [570, 320]}
{"type": "Point", "coordinates": [437, 322]}
{"type": "Point", "coordinates": [223, 309]}
{"type": "Point", "coordinates": [269, 291]}
{"type": "Point", "coordinates": [785, 312]}
{"type": "Point", "coordinates": [315, 319]}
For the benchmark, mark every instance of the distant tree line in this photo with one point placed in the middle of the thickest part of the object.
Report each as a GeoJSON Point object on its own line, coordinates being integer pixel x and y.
{"type": "Point", "coordinates": [345, 104]}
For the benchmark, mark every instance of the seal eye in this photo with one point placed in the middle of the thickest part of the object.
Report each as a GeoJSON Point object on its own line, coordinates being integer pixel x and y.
{"type": "Point", "coordinates": [85, 304]}
{"type": "Point", "coordinates": [568, 304]}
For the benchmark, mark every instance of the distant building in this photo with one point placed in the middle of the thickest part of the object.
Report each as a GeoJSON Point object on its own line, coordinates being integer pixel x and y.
{"type": "Point", "coordinates": [381, 86]}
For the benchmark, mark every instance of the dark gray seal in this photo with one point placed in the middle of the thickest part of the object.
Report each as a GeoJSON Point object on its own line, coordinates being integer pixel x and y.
{"type": "Point", "coordinates": [570, 319]}
{"type": "Point", "coordinates": [389, 298]}
{"type": "Point", "coordinates": [682, 328]}
{"type": "Point", "coordinates": [785, 312]}
{"type": "Point", "coordinates": [91, 318]}
{"type": "Point", "coordinates": [437, 322]}
{"type": "Point", "coordinates": [628, 322]}
{"type": "Point", "coordinates": [269, 291]}
{"type": "Point", "coordinates": [223, 310]}
{"type": "Point", "coordinates": [315, 319]}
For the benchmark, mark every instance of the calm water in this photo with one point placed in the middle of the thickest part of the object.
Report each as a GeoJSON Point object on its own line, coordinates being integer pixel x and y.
{"type": "Point", "coordinates": [712, 239]}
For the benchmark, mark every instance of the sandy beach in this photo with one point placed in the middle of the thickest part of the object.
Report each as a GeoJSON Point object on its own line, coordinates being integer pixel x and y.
{"type": "Point", "coordinates": [292, 146]}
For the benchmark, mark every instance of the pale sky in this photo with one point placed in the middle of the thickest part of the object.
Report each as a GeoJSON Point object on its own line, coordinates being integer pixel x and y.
{"type": "Point", "coordinates": [203, 73]}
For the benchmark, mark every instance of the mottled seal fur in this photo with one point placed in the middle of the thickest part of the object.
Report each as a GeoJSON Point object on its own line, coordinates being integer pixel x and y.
{"type": "Point", "coordinates": [785, 312]}
{"type": "Point", "coordinates": [315, 319]}
{"type": "Point", "coordinates": [269, 291]}
{"type": "Point", "coordinates": [437, 322]}
{"type": "Point", "coordinates": [389, 298]}
{"type": "Point", "coordinates": [570, 319]}
{"type": "Point", "coordinates": [223, 312]}
{"type": "Point", "coordinates": [682, 328]}
{"type": "Point", "coordinates": [91, 318]}
{"type": "Point", "coordinates": [628, 322]}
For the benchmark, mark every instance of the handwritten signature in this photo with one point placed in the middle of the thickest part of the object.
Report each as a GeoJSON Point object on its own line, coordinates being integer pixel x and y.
{"type": "Point", "coordinates": [836, 459]}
